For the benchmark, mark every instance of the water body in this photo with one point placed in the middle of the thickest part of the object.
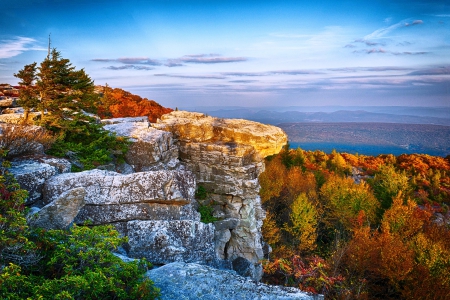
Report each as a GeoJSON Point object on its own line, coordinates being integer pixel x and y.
{"type": "Point", "coordinates": [372, 150]}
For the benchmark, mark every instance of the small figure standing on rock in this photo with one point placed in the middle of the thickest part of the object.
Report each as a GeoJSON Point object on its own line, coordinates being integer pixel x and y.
{"type": "Point", "coordinates": [148, 122]}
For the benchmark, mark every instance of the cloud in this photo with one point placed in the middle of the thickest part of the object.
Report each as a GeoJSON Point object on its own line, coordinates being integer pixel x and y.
{"type": "Point", "coordinates": [445, 70]}
{"type": "Point", "coordinates": [368, 43]}
{"type": "Point", "coordinates": [192, 76]}
{"type": "Point", "coordinates": [415, 22]}
{"type": "Point", "coordinates": [131, 61]}
{"type": "Point", "coordinates": [243, 81]}
{"type": "Point", "coordinates": [16, 46]}
{"type": "Point", "coordinates": [383, 51]}
{"type": "Point", "coordinates": [349, 46]}
{"type": "Point", "coordinates": [209, 59]}
{"type": "Point", "coordinates": [129, 67]}
{"type": "Point", "coordinates": [380, 33]}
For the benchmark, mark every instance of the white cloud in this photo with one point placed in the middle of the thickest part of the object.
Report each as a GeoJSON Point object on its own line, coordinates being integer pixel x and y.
{"type": "Point", "coordinates": [16, 46]}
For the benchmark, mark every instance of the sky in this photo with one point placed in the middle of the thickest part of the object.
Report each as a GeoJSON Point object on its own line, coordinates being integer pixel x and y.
{"type": "Point", "coordinates": [242, 53]}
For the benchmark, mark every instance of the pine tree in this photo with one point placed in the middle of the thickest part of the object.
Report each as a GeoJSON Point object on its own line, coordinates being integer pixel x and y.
{"type": "Point", "coordinates": [28, 94]}
{"type": "Point", "coordinates": [65, 93]}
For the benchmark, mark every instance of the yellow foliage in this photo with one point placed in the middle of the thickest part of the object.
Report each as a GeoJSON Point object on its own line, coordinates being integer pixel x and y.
{"type": "Point", "coordinates": [303, 224]}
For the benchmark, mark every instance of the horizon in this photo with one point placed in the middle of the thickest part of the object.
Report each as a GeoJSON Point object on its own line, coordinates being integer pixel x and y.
{"type": "Point", "coordinates": [242, 53]}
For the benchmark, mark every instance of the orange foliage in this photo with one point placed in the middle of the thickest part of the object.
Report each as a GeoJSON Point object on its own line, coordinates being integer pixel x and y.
{"type": "Point", "coordinates": [117, 103]}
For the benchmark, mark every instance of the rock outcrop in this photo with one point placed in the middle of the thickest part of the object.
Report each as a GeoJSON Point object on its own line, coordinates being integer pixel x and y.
{"type": "Point", "coordinates": [155, 209]}
{"type": "Point", "coordinates": [150, 150]}
{"type": "Point", "coordinates": [32, 172]}
{"type": "Point", "coordinates": [60, 213]}
{"type": "Point", "coordinates": [184, 281]}
{"type": "Point", "coordinates": [226, 157]}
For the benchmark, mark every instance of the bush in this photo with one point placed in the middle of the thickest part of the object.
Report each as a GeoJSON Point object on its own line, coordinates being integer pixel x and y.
{"type": "Point", "coordinates": [91, 145]}
{"type": "Point", "coordinates": [18, 139]}
{"type": "Point", "coordinates": [59, 264]}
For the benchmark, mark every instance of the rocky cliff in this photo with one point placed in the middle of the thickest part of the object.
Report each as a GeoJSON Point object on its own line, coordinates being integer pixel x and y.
{"type": "Point", "coordinates": [150, 198]}
{"type": "Point", "coordinates": [226, 157]}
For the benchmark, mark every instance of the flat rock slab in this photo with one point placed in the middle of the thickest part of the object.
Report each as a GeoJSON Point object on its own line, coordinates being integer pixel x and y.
{"type": "Point", "coordinates": [198, 127]}
{"type": "Point", "coordinates": [162, 242]}
{"type": "Point", "coordinates": [105, 187]}
{"type": "Point", "coordinates": [104, 214]}
{"type": "Point", "coordinates": [189, 281]}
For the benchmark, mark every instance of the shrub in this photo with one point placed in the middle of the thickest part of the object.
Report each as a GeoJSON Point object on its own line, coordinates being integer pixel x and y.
{"type": "Point", "coordinates": [59, 264]}
{"type": "Point", "coordinates": [19, 139]}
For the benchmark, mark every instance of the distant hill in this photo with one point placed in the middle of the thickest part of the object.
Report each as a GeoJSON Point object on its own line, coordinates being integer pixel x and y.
{"type": "Point", "coordinates": [438, 116]}
{"type": "Point", "coordinates": [370, 138]}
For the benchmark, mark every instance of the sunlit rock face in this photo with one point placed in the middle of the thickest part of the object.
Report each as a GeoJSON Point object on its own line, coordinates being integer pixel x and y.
{"type": "Point", "coordinates": [226, 157]}
{"type": "Point", "coordinates": [151, 149]}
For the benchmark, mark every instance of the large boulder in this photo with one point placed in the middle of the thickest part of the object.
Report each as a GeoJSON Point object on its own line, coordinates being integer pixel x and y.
{"type": "Point", "coordinates": [106, 187]}
{"type": "Point", "coordinates": [162, 242]}
{"type": "Point", "coordinates": [155, 209]}
{"type": "Point", "coordinates": [59, 214]}
{"type": "Point", "coordinates": [151, 149]}
{"type": "Point", "coordinates": [190, 281]}
{"type": "Point", "coordinates": [32, 172]}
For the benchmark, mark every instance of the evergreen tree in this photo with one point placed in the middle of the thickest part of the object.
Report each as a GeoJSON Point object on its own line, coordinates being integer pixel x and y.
{"type": "Point", "coordinates": [28, 94]}
{"type": "Point", "coordinates": [65, 93]}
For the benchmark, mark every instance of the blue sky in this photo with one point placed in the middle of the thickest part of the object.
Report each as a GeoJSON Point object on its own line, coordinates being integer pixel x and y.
{"type": "Point", "coordinates": [244, 53]}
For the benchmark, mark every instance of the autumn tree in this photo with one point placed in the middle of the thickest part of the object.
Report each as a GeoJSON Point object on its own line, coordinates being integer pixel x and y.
{"type": "Point", "coordinates": [343, 199]}
{"type": "Point", "coordinates": [387, 184]}
{"type": "Point", "coordinates": [27, 94]}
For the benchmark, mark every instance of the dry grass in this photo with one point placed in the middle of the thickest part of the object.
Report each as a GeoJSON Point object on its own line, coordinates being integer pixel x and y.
{"type": "Point", "coordinates": [22, 139]}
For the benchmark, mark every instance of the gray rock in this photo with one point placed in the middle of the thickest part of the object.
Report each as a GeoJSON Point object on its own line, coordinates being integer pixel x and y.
{"type": "Point", "coordinates": [188, 281]}
{"type": "Point", "coordinates": [163, 242]}
{"type": "Point", "coordinates": [124, 120]}
{"type": "Point", "coordinates": [105, 187]}
{"type": "Point", "coordinates": [151, 149]}
{"type": "Point", "coordinates": [246, 268]}
{"type": "Point", "coordinates": [60, 213]}
{"type": "Point", "coordinates": [105, 214]}
{"type": "Point", "coordinates": [31, 176]}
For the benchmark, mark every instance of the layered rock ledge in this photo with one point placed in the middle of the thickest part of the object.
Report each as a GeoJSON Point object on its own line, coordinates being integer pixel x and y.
{"type": "Point", "coordinates": [226, 157]}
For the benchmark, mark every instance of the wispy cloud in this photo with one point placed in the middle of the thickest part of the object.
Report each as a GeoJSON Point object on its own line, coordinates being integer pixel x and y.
{"type": "Point", "coordinates": [382, 32]}
{"type": "Point", "coordinates": [129, 67]}
{"type": "Point", "coordinates": [13, 47]}
{"type": "Point", "coordinates": [383, 51]}
{"type": "Point", "coordinates": [131, 61]}
{"type": "Point", "coordinates": [445, 70]}
{"type": "Point", "coordinates": [208, 59]}
{"type": "Point", "coordinates": [192, 76]}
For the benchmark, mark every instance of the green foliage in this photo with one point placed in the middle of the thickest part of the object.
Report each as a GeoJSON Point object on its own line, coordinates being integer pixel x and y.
{"type": "Point", "coordinates": [205, 209]}
{"type": "Point", "coordinates": [59, 264]}
{"type": "Point", "coordinates": [387, 184]}
{"type": "Point", "coordinates": [302, 224]}
{"type": "Point", "coordinates": [206, 214]}
{"type": "Point", "coordinates": [201, 193]}
{"type": "Point", "coordinates": [92, 145]}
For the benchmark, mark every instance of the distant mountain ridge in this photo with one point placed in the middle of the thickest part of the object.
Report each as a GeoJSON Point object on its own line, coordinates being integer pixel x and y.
{"type": "Point", "coordinates": [340, 116]}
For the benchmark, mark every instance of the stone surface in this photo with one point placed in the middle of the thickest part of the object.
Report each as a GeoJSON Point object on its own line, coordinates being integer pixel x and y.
{"type": "Point", "coordinates": [226, 157]}
{"type": "Point", "coordinates": [105, 187]}
{"type": "Point", "coordinates": [124, 120]}
{"type": "Point", "coordinates": [151, 149]}
{"type": "Point", "coordinates": [17, 118]}
{"type": "Point", "coordinates": [197, 127]}
{"type": "Point", "coordinates": [190, 281]}
{"type": "Point", "coordinates": [13, 110]}
{"type": "Point", "coordinates": [31, 177]}
{"type": "Point", "coordinates": [162, 242]}
{"type": "Point", "coordinates": [104, 214]}
{"type": "Point", "coordinates": [59, 214]}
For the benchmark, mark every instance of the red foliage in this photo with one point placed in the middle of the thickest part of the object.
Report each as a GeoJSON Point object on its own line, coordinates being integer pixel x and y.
{"type": "Point", "coordinates": [117, 103]}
